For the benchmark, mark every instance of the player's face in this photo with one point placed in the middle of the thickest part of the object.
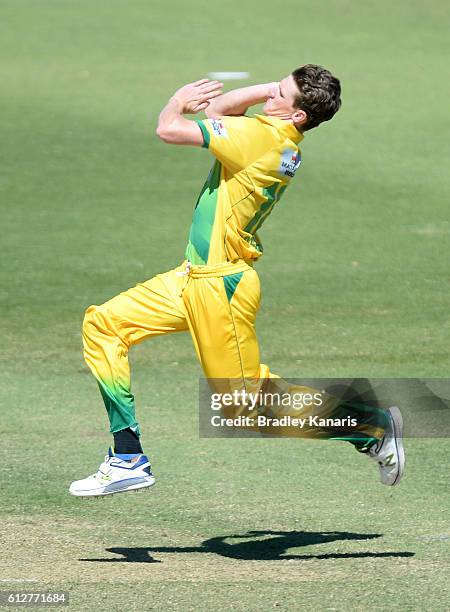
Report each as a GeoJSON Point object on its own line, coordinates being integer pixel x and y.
{"type": "Point", "coordinates": [281, 101]}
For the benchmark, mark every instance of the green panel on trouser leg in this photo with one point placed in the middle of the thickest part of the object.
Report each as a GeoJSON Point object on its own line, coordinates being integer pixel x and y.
{"type": "Point", "coordinates": [376, 418]}
{"type": "Point", "coordinates": [361, 444]}
{"type": "Point", "coordinates": [120, 415]}
{"type": "Point", "coordinates": [231, 282]}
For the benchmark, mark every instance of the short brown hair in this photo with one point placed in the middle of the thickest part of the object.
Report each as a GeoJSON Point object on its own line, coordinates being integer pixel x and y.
{"type": "Point", "coordinates": [319, 94]}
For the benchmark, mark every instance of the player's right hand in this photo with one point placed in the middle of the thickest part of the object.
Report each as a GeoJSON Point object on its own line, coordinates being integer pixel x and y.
{"type": "Point", "coordinates": [196, 96]}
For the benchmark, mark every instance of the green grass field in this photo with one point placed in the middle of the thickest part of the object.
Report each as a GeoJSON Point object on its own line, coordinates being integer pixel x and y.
{"type": "Point", "coordinates": [355, 283]}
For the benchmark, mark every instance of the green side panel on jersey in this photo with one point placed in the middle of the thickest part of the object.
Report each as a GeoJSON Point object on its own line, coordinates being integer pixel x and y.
{"type": "Point", "coordinates": [273, 194]}
{"type": "Point", "coordinates": [206, 136]}
{"type": "Point", "coordinates": [203, 220]}
{"type": "Point", "coordinates": [192, 255]}
{"type": "Point", "coordinates": [231, 282]}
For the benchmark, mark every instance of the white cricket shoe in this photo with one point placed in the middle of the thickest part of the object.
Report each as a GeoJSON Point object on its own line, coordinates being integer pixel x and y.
{"type": "Point", "coordinates": [388, 452]}
{"type": "Point", "coordinates": [115, 476]}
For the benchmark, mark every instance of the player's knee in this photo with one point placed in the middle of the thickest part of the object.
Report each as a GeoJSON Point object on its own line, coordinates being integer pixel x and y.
{"type": "Point", "coordinates": [95, 320]}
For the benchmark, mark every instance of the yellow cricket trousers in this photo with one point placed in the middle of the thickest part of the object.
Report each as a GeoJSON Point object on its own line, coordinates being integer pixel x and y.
{"type": "Point", "coordinates": [218, 305]}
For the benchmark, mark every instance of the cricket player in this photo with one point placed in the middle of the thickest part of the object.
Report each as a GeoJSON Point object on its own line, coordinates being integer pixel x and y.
{"type": "Point", "coordinates": [215, 292]}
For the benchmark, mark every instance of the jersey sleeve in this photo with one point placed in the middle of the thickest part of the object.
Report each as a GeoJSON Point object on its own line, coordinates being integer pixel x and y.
{"type": "Point", "coordinates": [235, 141]}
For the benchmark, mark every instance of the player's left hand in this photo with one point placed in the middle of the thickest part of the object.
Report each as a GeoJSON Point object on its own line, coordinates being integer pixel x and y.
{"type": "Point", "coordinates": [196, 96]}
{"type": "Point", "coordinates": [273, 89]}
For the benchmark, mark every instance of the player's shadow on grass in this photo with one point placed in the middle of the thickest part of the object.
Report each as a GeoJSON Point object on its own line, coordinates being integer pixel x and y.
{"type": "Point", "coordinates": [256, 547]}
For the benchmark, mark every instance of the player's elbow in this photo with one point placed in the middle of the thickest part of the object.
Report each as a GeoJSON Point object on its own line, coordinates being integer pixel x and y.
{"type": "Point", "coordinates": [163, 133]}
{"type": "Point", "coordinates": [169, 134]}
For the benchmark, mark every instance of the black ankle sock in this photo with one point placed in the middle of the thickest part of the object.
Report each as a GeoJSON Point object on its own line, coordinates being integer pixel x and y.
{"type": "Point", "coordinates": [126, 442]}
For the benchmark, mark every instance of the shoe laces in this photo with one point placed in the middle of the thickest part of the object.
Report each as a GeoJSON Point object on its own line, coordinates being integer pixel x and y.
{"type": "Point", "coordinates": [104, 466]}
{"type": "Point", "coordinates": [375, 448]}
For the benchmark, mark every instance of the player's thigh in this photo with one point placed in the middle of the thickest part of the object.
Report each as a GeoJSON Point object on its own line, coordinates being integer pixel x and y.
{"type": "Point", "coordinates": [222, 313]}
{"type": "Point", "coordinates": [243, 307]}
{"type": "Point", "coordinates": [151, 308]}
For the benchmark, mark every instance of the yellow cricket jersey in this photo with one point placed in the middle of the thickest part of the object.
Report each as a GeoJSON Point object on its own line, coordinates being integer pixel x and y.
{"type": "Point", "coordinates": [256, 157]}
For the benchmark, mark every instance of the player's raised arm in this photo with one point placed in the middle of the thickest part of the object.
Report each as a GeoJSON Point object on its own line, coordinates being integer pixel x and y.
{"type": "Point", "coordinates": [237, 101]}
{"type": "Point", "coordinates": [173, 128]}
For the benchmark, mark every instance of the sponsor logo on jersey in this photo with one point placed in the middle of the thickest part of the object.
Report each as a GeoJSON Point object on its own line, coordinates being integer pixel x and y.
{"type": "Point", "coordinates": [218, 128]}
{"type": "Point", "coordinates": [290, 162]}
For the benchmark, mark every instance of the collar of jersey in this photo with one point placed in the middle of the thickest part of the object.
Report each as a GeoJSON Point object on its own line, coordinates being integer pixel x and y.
{"type": "Point", "coordinates": [288, 128]}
